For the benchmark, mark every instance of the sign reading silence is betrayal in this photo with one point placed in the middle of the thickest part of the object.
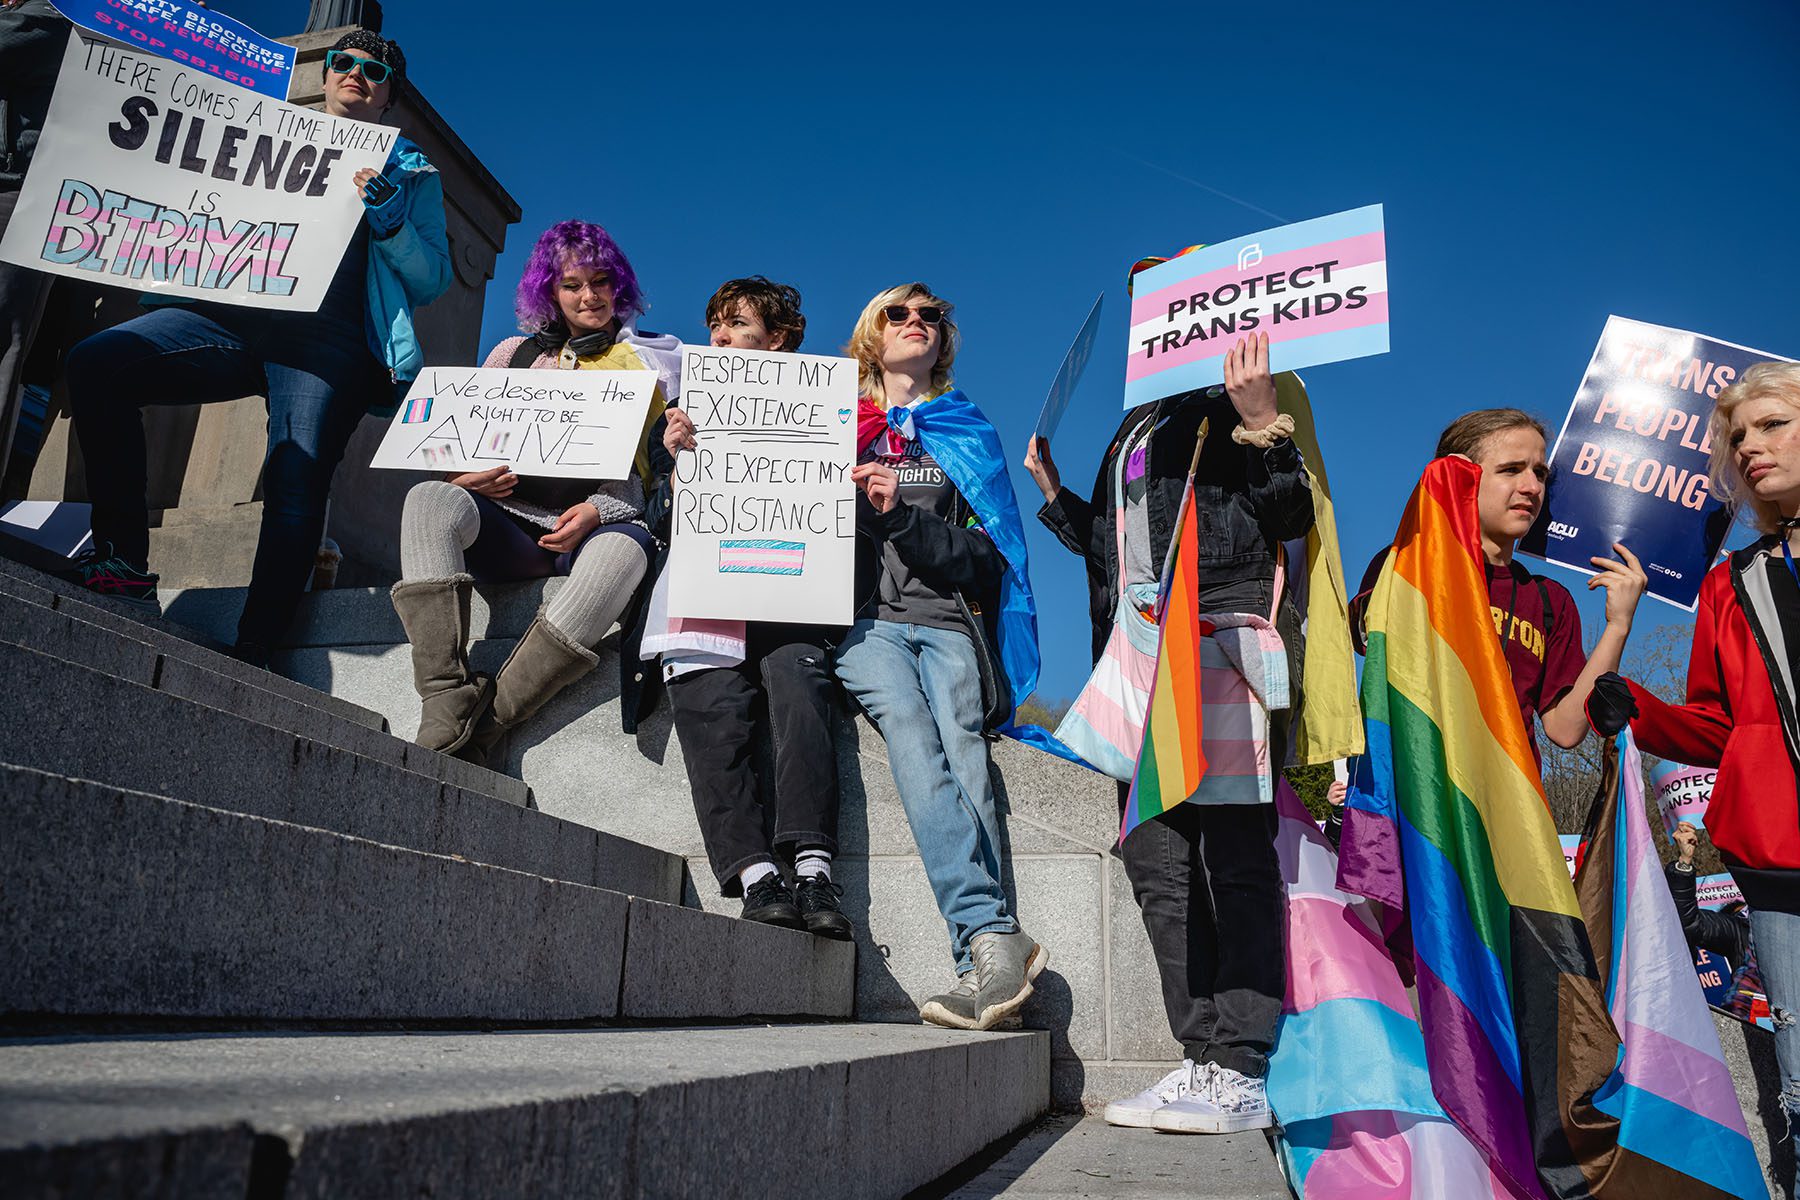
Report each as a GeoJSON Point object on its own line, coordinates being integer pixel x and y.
{"type": "Point", "coordinates": [764, 509]}
{"type": "Point", "coordinates": [154, 176]}
{"type": "Point", "coordinates": [566, 424]}
{"type": "Point", "coordinates": [1630, 462]}
{"type": "Point", "coordinates": [193, 35]}
{"type": "Point", "coordinates": [1318, 289]}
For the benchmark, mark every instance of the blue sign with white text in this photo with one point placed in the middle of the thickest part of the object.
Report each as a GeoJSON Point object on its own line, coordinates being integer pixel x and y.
{"type": "Point", "coordinates": [1630, 464]}
{"type": "Point", "coordinates": [207, 41]}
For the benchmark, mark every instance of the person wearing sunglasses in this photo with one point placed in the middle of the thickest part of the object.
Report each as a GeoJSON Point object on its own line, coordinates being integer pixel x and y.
{"type": "Point", "coordinates": [1205, 876]}
{"type": "Point", "coordinates": [578, 300]}
{"type": "Point", "coordinates": [320, 371]}
{"type": "Point", "coordinates": [945, 637]}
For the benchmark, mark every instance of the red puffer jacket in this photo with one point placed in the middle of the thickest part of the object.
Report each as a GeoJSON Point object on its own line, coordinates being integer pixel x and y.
{"type": "Point", "coordinates": [1739, 715]}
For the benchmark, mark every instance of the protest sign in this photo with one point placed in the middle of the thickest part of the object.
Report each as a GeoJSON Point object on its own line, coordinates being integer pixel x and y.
{"type": "Point", "coordinates": [1318, 289]}
{"type": "Point", "coordinates": [1714, 972]}
{"type": "Point", "coordinates": [1571, 847]}
{"type": "Point", "coordinates": [1069, 374]}
{"type": "Point", "coordinates": [764, 508]}
{"type": "Point", "coordinates": [1716, 891]}
{"type": "Point", "coordinates": [564, 424]}
{"type": "Point", "coordinates": [1682, 793]}
{"type": "Point", "coordinates": [1630, 462]}
{"type": "Point", "coordinates": [149, 175]}
{"type": "Point", "coordinates": [193, 35]}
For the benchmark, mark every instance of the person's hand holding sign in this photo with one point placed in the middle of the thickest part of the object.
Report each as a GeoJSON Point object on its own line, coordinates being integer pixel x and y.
{"type": "Point", "coordinates": [1624, 582]}
{"type": "Point", "coordinates": [1686, 840]}
{"type": "Point", "coordinates": [879, 484]}
{"type": "Point", "coordinates": [1248, 382]}
{"type": "Point", "coordinates": [678, 433]}
{"type": "Point", "coordinates": [1043, 467]}
{"type": "Point", "coordinates": [570, 528]}
{"type": "Point", "coordinates": [496, 483]}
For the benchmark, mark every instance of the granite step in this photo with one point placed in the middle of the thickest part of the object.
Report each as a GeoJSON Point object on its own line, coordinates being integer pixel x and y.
{"type": "Point", "coordinates": [803, 1111]}
{"type": "Point", "coordinates": [177, 747]}
{"type": "Point", "coordinates": [121, 904]}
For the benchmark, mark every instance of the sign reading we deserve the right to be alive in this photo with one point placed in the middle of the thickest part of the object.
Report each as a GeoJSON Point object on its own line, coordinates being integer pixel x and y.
{"type": "Point", "coordinates": [1317, 288]}
{"type": "Point", "coordinates": [764, 520]}
{"type": "Point", "coordinates": [150, 174]}
{"type": "Point", "coordinates": [1630, 463]}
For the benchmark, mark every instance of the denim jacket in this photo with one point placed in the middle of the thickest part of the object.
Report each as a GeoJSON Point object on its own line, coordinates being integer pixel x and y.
{"type": "Point", "coordinates": [1246, 501]}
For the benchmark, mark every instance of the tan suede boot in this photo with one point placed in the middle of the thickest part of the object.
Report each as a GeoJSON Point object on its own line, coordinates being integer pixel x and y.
{"type": "Point", "coordinates": [543, 663]}
{"type": "Point", "coordinates": [435, 615]}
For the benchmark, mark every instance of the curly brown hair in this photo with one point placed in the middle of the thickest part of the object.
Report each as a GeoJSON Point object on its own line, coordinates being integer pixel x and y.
{"type": "Point", "coordinates": [776, 305]}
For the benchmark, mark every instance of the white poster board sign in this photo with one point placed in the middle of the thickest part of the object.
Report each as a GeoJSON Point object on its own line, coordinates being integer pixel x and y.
{"type": "Point", "coordinates": [563, 424]}
{"type": "Point", "coordinates": [764, 510]}
{"type": "Point", "coordinates": [152, 175]}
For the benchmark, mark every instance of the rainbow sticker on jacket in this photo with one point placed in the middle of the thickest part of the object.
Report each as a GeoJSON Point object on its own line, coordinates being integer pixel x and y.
{"type": "Point", "coordinates": [418, 411]}
{"type": "Point", "coordinates": [761, 556]}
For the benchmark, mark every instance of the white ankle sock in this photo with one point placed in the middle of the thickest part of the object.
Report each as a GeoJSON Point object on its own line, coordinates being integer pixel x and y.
{"type": "Point", "coordinates": [813, 863]}
{"type": "Point", "coordinates": [755, 873]}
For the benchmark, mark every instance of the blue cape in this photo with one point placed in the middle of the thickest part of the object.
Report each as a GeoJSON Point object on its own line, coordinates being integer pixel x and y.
{"type": "Point", "coordinates": [967, 447]}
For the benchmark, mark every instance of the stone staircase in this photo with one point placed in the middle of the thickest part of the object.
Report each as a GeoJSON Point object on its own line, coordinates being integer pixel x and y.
{"type": "Point", "coordinates": [256, 945]}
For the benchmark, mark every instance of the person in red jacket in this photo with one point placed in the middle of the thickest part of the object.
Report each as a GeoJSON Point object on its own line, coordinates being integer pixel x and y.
{"type": "Point", "coordinates": [1740, 710]}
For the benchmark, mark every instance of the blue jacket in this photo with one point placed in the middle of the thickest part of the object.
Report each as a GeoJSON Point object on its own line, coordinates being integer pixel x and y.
{"type": "Point", "coordinates": [408, 269]}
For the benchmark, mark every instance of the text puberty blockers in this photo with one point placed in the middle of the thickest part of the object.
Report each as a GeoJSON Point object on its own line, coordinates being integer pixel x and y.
{"type": "Point", "coordinates": [765, 502]}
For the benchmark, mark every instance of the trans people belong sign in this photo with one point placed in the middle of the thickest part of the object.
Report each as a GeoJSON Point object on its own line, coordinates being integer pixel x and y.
{"type": "Point", "coordinates": [1318, 289]}
{"type": "Point", "coordinates": [191, 34]}
{"type": "Point", "coordinates": [1630, 463]}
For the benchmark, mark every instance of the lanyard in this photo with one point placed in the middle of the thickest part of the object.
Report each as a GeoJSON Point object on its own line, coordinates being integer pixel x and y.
{"type": "Point", "coordinates": [1788, 555]}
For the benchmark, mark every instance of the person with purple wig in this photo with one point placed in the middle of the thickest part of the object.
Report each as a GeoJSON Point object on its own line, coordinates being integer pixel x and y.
{"type": "Point", "coordinates": [577, 302]}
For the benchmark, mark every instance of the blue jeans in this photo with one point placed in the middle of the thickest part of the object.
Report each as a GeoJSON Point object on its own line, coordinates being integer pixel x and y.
{"type": "Point", "coordinates": [319, 377]}
{"type": "Point", "coordinates": [922, 689]}
{"type": "Point", "coordinates": [1775, 937]}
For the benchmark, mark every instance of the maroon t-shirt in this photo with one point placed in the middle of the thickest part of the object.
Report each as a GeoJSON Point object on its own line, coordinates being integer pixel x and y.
{"type": "Point", "coordinates": [1543, 667]}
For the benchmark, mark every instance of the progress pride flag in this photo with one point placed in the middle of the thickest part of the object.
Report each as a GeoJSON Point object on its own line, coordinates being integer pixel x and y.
{"type": "Point", "coordinates": [1318, 289]}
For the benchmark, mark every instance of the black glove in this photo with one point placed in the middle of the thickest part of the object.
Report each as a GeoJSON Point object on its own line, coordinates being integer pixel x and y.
{"type": "Point", "coordinates": [1610, 706]}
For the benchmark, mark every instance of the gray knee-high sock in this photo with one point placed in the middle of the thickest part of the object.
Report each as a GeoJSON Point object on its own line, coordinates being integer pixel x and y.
{"type": "Point", "coordinates": [437, 523]}
{"type": "Point", "coordinates": [599, 586]}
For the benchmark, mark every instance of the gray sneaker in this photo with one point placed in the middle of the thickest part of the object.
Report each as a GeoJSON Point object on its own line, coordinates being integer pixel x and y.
{"type": "Point", "coordinates": [955, 1009]}
{"type": "Point", "coordinates": [1005, 965]}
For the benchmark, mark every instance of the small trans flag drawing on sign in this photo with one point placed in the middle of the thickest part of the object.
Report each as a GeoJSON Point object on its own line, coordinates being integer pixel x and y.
{"type": "Point", "coordinates": [761, 556]}
{"type": "Point", "coordinates": [418, 411]}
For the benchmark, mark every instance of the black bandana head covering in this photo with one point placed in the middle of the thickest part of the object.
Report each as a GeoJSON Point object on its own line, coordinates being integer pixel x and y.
{"type": "Point", "coordinates": [380, 49]}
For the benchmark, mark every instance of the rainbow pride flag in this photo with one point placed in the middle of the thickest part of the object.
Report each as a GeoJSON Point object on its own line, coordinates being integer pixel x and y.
{"type": "Point", "coordinates": [1171, 762]}
{"type": "Point", "coordinates": [1517, 1036]}
{"type": "Point", "coordinates": [1681, 1131]}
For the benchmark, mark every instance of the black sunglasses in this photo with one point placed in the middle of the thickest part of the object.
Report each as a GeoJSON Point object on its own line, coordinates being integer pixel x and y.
{"type": "Point", "coordinates": [346, 63]}
{"type": "Point", "coordinates": [897, 314]}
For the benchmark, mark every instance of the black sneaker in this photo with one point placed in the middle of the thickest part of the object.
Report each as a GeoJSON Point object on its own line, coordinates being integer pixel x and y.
{"type": "Point", "coordinates": [769, 901]}
{"type": "Point", "coordinates": [818, 900]}
{"type": "Point", "coordinates": [110, 575]}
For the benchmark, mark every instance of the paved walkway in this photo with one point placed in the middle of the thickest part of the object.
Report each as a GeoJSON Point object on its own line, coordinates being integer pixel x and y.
{"type": "Point", "coordinates": [1069, 1156]}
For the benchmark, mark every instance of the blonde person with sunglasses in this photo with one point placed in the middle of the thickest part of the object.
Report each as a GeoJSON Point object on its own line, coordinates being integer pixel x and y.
{"type": "Point", "coordinates": [320, 371]}
{"type": "Point", "coordinates": [945, 638]}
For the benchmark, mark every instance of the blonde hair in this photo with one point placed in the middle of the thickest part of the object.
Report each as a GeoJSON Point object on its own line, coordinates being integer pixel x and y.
{"type": "Point", "coordinates": [1764, 381]}
{"type": "Point", "coordinates": [865, 340]}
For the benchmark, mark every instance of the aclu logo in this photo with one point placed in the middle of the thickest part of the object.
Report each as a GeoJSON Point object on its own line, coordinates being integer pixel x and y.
{"type": "Point", "coordinates": [1560, 530]}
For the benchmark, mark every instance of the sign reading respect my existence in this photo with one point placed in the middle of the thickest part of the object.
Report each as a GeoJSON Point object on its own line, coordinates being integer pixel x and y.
{"type": "Point", "coordinates": [566, 424]}
{"type": "Point", "coordinates": [191, 34]}
{"type": "Point", "coordinates": [154, 176]}
{"type": "Point", "coordinates": [1318, 289]}
{"type": "Point", "coordinates": [764, 509]}
{"type": "Point", "coordinates": [1630, 462]}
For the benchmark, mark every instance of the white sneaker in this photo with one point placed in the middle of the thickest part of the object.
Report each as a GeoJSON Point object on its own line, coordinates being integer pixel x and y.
{"type": "Point", "coordinates": [1136, 1112]}
{"type": "Point", "coordinates": [1228, 1103]}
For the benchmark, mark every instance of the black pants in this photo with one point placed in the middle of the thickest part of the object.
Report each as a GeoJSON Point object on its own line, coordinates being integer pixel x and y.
{"type": "Point", "coordinates": [785, 676]}
{"type": "Point", "coordinates": [1208, 883]}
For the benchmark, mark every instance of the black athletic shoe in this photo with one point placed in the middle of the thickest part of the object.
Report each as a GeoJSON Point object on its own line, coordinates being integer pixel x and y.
{"type": "Point", "coordinates": [818, 899]}
{"type": "Point", "coordinates": [110, 575]}
{"type": "Point", "coordinates": [769, 901]}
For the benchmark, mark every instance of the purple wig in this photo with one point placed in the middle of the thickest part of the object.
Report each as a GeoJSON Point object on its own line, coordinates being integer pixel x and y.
{"type": "Point", "coordinates": [581, 244]}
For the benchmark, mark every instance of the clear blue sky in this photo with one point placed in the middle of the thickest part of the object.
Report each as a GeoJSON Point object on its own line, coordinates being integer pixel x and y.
{"type": "Point", "coordinates": [1542, 166]}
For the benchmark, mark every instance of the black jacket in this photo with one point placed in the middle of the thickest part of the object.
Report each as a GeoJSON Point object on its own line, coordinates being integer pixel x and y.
{"type": "Point", "coordinates": [1246, 501]}
{"type": "Point", "coordinates": [956, 558]}
{"type": "Point", "coordinates": [32, 38]}
{"type": "Point", "coordinates": [1722, 933]}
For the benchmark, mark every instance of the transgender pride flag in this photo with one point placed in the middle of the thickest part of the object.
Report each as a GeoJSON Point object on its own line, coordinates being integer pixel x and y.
{"type": "Point", "coordinates": [1348, 1080]}
{"type": "Point", "coordinates": [761, 556]}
